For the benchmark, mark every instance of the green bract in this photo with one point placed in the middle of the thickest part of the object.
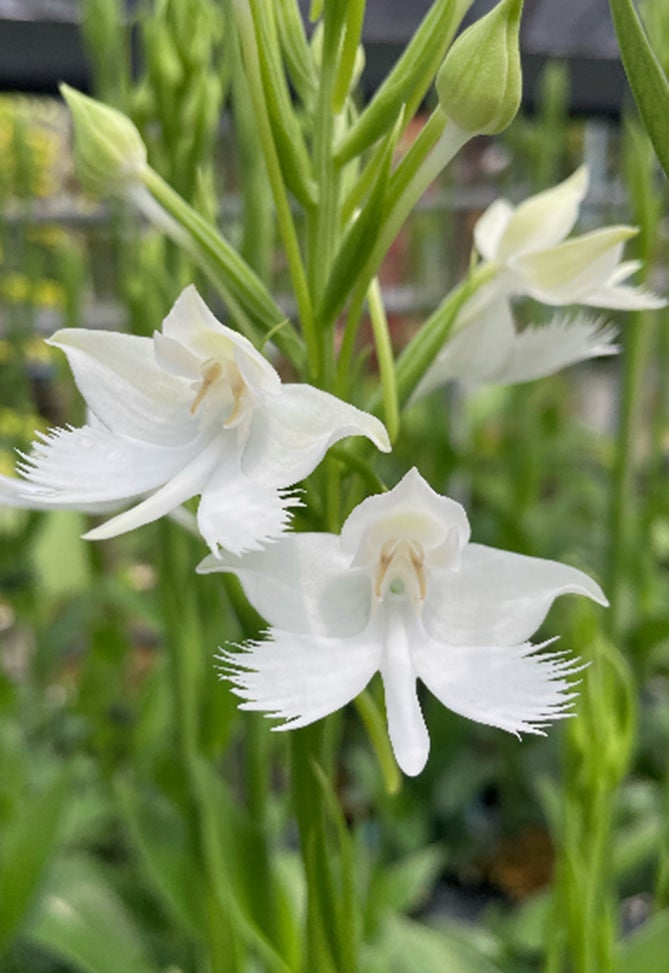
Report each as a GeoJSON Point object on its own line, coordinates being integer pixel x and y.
{"type": "Point", "coordinates": [479, 84]}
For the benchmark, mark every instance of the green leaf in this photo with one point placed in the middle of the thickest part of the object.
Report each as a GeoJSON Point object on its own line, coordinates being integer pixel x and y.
{"type": "Point", "coordinates": [290, 145]}
{"type": "Point", "coordinates": [406, 884]}
{"type": "Point", "coordinates": [161, 837]}
{"type": "Point", "coordinates": [296, 50]}
{"type": "Point", "coordinates": [360, 236]}
{"type": "Point", "coordinates": [347, 904]}
{"type": "Point", "coordinates": [647, 79]}
{"type": "Point", "coordinates": [242, 874]}
{"type": "Point", "coordinates": [408, 81]}
{"type": "Point", "coordinates": [27, 846]}
{"type": "Point", "coordinates": [646, 949]}
{"type": "Point", "coordinates": [82, 920]}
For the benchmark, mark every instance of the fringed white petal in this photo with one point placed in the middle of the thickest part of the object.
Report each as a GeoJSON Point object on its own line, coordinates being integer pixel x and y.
{"type": "Point", "coordinates": [92, 464]}
{"type": "Point", "coordinates": [623, 297]}
{"type": "Point", "coordinates": [241, 513]}
{"type": "Point", "coordinates": [15, 492]}
{"type": "Point", "coordinates": [300, 678]}
{"type": "Point", "coordinates": [545, 349]}
{"type": "Point", "coordinates": [516, 688]}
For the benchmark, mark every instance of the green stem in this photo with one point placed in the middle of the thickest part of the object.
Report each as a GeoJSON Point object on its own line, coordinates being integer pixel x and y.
{"type": "Point", "coordinates": [435, 147]}
{"type": "Point", "coordinates": [307, 747]}
{"type": "Point", "coordinates": [347, 350]}
{"type": "Point", "coordinates": [625, 501]}
{"type": "Point", "coordinates": [377, 732]}
{"type": "Point", "coordinates": [284, 215]}
{"type": "Point", "coordinates": [182, 630]}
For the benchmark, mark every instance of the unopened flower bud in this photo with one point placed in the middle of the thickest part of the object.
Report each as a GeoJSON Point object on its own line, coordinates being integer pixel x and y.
{"type": "Point", "coordinates": [479, 84]}
{"type": "Point", "coordinates": [109, 151]}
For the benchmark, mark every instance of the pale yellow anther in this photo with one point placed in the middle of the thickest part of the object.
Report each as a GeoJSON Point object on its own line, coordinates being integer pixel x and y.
{"type": "Point", "coordinates": [237, 387]}
{"type": "Point", "coordinates": [227, 375]}
{"type": "Point", "coordinates": [417, 558]}
{"type": "Point", "coordinates": [211, 372]}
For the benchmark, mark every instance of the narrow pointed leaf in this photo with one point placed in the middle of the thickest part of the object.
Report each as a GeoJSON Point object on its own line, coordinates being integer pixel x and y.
{"type": "Point", "coordinates": [160, 836]}
{"type": "Point", "coordinates": [27, 846]}
{"type": "Point", "coordinates": [362, 234]}
{"type": "Point", "coordinates": [648, 81]}
{"type": "Point", "coordinates": [410, 78]}
{"type": "Point", "coordinates": [290, 145]}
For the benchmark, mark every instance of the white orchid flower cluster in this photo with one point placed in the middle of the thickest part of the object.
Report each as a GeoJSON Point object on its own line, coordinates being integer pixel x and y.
{"type": "Point", "coordinates": [197, 410]}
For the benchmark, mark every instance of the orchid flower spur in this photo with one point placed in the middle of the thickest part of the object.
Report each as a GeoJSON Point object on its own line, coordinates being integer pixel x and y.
{"type": "Point", "coordinates": [402, 592]}
{"type": "Point", "coordinates": [193, 410]}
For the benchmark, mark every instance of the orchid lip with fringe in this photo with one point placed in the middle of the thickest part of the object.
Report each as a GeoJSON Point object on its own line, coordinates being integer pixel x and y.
{"type": "Point", "coordinates": [402, 591]}
{"type": "Point", "coordinates": [488, 349]}
{"type": "Point", "coordinates": [194, 410]}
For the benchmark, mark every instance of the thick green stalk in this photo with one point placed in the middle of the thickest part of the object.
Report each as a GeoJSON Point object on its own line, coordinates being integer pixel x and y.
{"type": "Point", "coordinates": [625, 502]}
{"type": "Point", "coordinates": [321, 947]}
{"type": "Point", "coordinates": [323, 220]}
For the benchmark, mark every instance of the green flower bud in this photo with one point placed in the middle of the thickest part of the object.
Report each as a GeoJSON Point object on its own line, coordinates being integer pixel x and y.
{"type": "Point", "coordinates": [479, 84]}
{"type": "Point", "coordinates": [109, 152]}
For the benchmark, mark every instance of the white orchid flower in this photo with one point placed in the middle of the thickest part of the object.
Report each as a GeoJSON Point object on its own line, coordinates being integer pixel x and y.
{"type": "Point", "coordinates": [487, 349]}
{"type": "Point", "coordinates": [402, 592]}
{"type": "Point", "coordinates": [193, 410]}
{"type": "Point", "coordinates": [528, 245]}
